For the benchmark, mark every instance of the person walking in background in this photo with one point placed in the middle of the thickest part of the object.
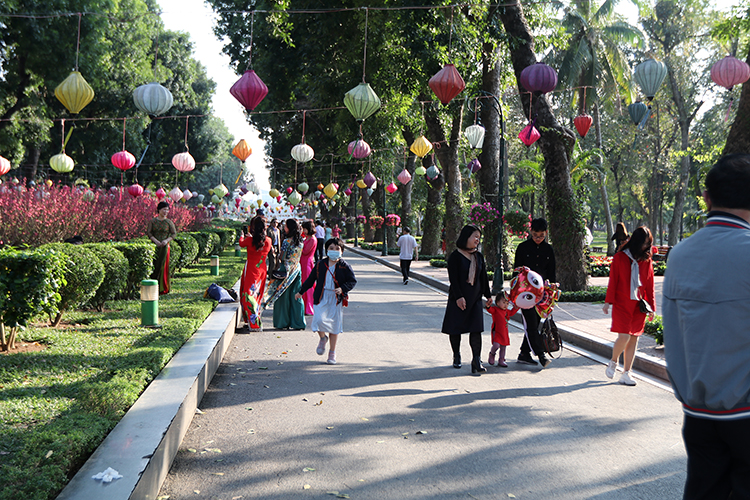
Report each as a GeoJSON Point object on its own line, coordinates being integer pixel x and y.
{"type": "Point", "coordinates": [538, 255]}
{"type": "Point", "coordinates": [161, 231]}
{"type": "Point", "coordinates": [631, 277]}
{"type": "Point", "coordinates": [253, 279]}
{"type": "Point", "coordinates": [336, 231]}
{"type": "Point", "coordinates": [333, 279]}
{"type": "Point", "coordinates": [320, 236]}
{"type": "Point", "coordinates": [307, 262]}
{"type": "Point", "coordinates": [288, 311]}
{"type": "Point", "coordinates": [501, 311]}
{"type": "Point", "coordinates": [468, 282]}
{"type": "Point", "coordinates": [706, 313]}
{"type": "Point", "coordinates": [620, 237]}
{"type": "Point", "coordinates": [409, 248]}
{"type": "Point", "coordinates": [328, 231]}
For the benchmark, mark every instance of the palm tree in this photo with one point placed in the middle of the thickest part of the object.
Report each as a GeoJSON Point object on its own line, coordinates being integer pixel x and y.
{"type": "Point", "coordinates": [596, 64]}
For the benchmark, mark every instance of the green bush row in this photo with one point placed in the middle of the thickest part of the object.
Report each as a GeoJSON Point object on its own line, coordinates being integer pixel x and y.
{"type": "Point", "coordinates": [602, 270]}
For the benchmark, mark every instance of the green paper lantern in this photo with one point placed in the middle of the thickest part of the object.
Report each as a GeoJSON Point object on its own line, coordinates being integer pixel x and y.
{"type": "Point", "coordinates": [362, 101]}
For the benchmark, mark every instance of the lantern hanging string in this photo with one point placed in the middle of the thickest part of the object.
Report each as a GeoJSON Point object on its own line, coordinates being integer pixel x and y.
{"type": "Point", "coordinates": [475, 109]}
{"type": "Point", "coordinates": [303, 126]}
{"type": "Point", "coordinates": [331, 167]}
{"type": "Point", "coordinates": [156, 55]}
{"type": "Point", "coordinates": [78, 42]}
{"type": "Point", "coordinates": [187, 121]}
{"type": "Point", "coordinates": [62, 137]}
{"type": "Point", "coordinates": [124, 121]}
{"type": "Point", "coordinates": [450, 34]}
{"type": "Point", "coordinates": [250, 54]}
{"type": "Point", "coordinates": [364, 58]}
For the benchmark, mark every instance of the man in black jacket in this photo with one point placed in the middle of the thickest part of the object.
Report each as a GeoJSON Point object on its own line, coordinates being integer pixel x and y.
{"type": "Point", "coordinates": [536, 254]}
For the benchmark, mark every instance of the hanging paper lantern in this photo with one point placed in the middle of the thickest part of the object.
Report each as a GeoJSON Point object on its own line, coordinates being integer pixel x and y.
{"type": "Point", "coordinates": [135, 190]}
{"type": "Point", "coordinates": [242, 150]}
{"type": "Point", "coordinates": [637, 111]}
{"type": "Point", "coordinates": [362, 101]}
{"type": "Point", "coordinates": [302, 153]}
{"type": "Point", "coordinates": [273, 193]}
{"type": "Point", "coordinates": [48, 183]}
{"type": "Point", "coordinates": [61, 163]}
{"type": "Point", "coordinates": [176, 194]}
{"type": "Point", "coordinates": [420, 170]}
{"type": "Point", "coordinates": [318, 193]}
{"type": "Point", "coordinates": [186, 195]}
{"type": "Point", "coordinates": [370, 191]}
{"type": "Point", "coordinates": [88, 195]}
{"type": "Point", "coordinates": [4, 166]}
{"type": "Point", "coordinates": [123, 160]}
{"type": "Point", "coordinates": [249, 90]}
{"type": "Point", "coordinates": [289, 190]}
{"type": "Point", "coordinates": [215, 200]}
{"type": "Point", "coordinates": [336, 186]}
{"type": "Point", "coordinates": [649, 75]}
{"type": "Point", "coordinates": [303, 187]}
{"type": "Point", "coordinates": [361, 184]}
{"type": "Point", "coordinates": [278, 199]}
{"type": "Point", "coordinates": [447, 83]}
{"type": "Point", "coordinates": [359, 149]}
{"type": "Point", "coordinates": [529, 135]}
{"type": "Point", "coordinates": [421, 147]}
{"type": "Point", "coordinates": [475, 135]}
{"type": "Point", "coordinates": [201, 198]}
{"type": "Point", "coordinates": [369, 179]}
{"type": "Point", "coordinates": [729, 72]}
{"type": "Point", "coordinates": [160, 194]}
{"type": "Point", "coordinates": [404, 177]}
{"type": "Point", "coordinates": [153, 99]}
{"type": "Point", "coordinates": [74, 92]}
{"type": "Point", "coordinates": [221, 191]}
{"type": "Point", "coordinates": [330, 190]}
{"type": "Point", "coordinates": [184, 162]}
{"type": "Point", "coordinates": [391, 188]}
{"type": "Point", "coordinates": [294, 198]}
{"type": "Point", "coordinates": [348, 191]}
{"type": "Point", "coordinates": [583, 123]}
{"type": "Point", "coordinates": [474, 166]}
{"type": "Point", "coordinates": [539, 78]}
{"type": "Point", "coordinates": [432, 172]}
{"type": "Point", "coordinates": [113, 190]}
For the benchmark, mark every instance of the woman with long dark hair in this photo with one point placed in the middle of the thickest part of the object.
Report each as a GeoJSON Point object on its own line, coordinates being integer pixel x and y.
{"type": "Point", "coordinates": [253, 280]}
{"type": "Point", "coordinates": [631, 277]}
{"type": "Point", "coordinates": [307, 262]}
{"type": "Point", "coordinates": [620, 237]}
{"type": "Point", "coordinates": [288, 311]}
{"type": "Point", "coordinates": [464, 312]}
{"type": "Point", "coordinates": [161, 231]}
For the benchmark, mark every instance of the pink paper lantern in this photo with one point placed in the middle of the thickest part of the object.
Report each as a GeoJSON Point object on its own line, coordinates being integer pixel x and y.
{"type": "Point", "coordinates": [176, 194]}
{"type": "Point", "coordinates": [289, 190]}
{"type": "Point", "coordinates": [348, 192]}
{"type": "Point", "coordinates": [474, 166]}
{"type": "Point", "coordinates": [4, 166]}
{"type": "Point", "coordinates": [404, 177]}
{"type": "Point", "coordinates": [447, 83]}
{"type": "Point", "coordinates": [359, 149]}
{"type": "Point", "coordinates": [539, 78]}
{"type": "Point", "coordinates": [160, 194]}
{"type": "Point", "coordinates": [729, 72]}
{"type": "Point", "coordinates": [391, 188]}
{"type": "Point", "coordinates": [184, 162]}
{"type": "Point", "coordinates": [123, 160]}
{"type": "Point", "coordinates": [135, 190]}
{"type": "Point", "coordinates": [249, 90]}
{"type": "Point", "coordinates": [529, 135]}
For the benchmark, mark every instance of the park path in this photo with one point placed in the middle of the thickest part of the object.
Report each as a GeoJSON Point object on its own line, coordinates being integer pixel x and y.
{"type": "Point", "coordinates": [394, 420]}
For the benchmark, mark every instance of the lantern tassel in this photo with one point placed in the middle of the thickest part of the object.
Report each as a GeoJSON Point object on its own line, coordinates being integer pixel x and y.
{"type": "Point", "coordinates": [642, 125]}
{"type": "Point", "coordinates": [726, 116]}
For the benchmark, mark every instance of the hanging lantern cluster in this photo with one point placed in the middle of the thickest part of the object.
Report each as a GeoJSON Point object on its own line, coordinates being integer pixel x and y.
{"type": "Point", "coordinates": [447, 83]}
{"type": "Point", "coordinates": [153, 99]}
{"type": "Point", "coordinates": [74, 92]}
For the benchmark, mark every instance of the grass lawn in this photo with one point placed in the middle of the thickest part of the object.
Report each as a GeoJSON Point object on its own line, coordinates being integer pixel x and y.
{"type": "Point", "coordinates": [59, 403]}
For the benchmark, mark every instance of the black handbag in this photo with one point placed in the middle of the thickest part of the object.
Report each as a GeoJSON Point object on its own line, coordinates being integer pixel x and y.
{"type": "Point", "coordinates": [550, 336]}
{"type": "Point", "coordinates": [645, 307]}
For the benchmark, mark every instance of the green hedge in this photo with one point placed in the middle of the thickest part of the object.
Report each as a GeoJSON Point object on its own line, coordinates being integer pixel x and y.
{"type": "Point", "coordinates": [593, 294]}
{"type": "Point", "coordinates": [116, 270]}
{"type": "Point", "coordinates": [84, 272]}
{"type": "Point", "coordinates": [140, 255]}
{"type": "Point", "coordinates": [655, 328]}
{"type": "Point", "coordinates": [227, 237]}
{"type": "Point", "coordinates": [214, 243]}
{"type": "Point", "coordinates": [189, 247]}
{"type": "Point", "coordinates": [175, 253]}
{"type": "Point", "coordinates": [205, 243]}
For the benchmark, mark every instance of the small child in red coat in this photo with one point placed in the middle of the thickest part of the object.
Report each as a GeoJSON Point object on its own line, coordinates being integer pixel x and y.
{"type": "Point", "coordinates": [501, 312]}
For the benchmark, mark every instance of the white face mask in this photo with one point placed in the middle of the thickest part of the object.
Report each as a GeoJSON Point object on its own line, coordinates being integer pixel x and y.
{"type": "Point", "coordinates": [334, 254]}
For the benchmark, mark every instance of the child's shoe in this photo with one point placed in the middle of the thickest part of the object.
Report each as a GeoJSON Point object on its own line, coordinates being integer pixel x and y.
{"type": "Point", "coordinates": [501, 357]}
{"type": "Point", "coordinates": [322, 345]}
{"type": "Point", "coordinates": [491, 357]}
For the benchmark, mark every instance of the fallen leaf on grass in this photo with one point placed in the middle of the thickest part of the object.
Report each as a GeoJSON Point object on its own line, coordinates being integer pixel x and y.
{"type": "Point", "coordinates": [308, 469]}
{"type": "Point", "coordinates": [284, 352]}
{"type": "Point", "coordinates": [365, 419]}
{"type": "Point", "coordinates": [330, 427]}
{"type": "Point", "coordinates": [192, 450]}
{"type": "Point", "coordinates": [306, 487]}
{"type": "Point", "coordinates": [217, 473]}
{"type": "Point", "coordinates": [213, 450]}
{"type": "Point", "coordinates": [318, 404]}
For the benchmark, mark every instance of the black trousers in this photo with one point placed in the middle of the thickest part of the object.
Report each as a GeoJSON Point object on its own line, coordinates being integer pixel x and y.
{"type": "Point", "coordinates": [531, 318]}
{"type": "Point", "coordinates": [320, 252]}
{"type": "Point", "coordinates": [718, 454]}
{"type": "Point", "coordinates": [405, 265]}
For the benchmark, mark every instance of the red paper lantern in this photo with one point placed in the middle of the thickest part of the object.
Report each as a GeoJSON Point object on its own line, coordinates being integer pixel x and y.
{"type": "Point", "coordinates": [160, 194]}
{"type": "Point", "coordinates": [391, 188]}
{"type": "Point", "coordinates": [539, 78]}
{"type": "Point", "coordinates": [447, 83]}
{"type": "Point", "coordinates": [123, 160]}
{"type": "Point", "coordinates": [289, 190]}
{"type": "Point", "coordinates": [249, 90]}
{"type": "Point", "coordinates": [529, 135]}
{"type": "Point", "coordinates": [729, 72]}
{"type": "Point", "coordinates": [583, 123]}
{"type": "Point", "coordinates": [135, 190]}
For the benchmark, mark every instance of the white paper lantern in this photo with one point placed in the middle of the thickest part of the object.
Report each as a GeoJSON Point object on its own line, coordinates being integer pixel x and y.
{"type": "Point", "coordinates": [153, 99]}
{"type": "Point", "coordinates": [475, 135]}
{"type": "Point", "coordinates": [302, 153]}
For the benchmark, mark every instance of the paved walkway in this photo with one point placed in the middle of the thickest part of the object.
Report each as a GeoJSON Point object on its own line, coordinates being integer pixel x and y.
{"type": "Point", "coordinates": [394, 420]}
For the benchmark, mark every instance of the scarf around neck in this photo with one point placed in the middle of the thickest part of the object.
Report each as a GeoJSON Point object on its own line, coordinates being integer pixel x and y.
{"type": "Point", "coordinates": [471, 255]}
{"type": "Point", "coordinates": [635, 278]}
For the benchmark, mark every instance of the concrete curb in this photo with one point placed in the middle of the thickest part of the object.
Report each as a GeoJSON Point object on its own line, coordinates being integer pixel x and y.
{"type": "Point", "coordinates": [643, 362]}
{"type": "Point", "coordinates": [144, 443]}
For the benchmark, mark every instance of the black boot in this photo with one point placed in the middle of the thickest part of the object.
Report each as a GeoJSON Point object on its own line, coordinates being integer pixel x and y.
{"type": "Point", "coordinates": [476, 365]}
{"type": "Point", "coordinates": [456, 360]}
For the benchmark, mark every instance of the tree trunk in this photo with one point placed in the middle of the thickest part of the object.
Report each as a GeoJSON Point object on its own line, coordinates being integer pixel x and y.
{"type": "Point", "coordinates": [738, 140]}
{"type": "Point", "coordinates": [367, 211]}
{"type": "Point", "coordinates": [447, 153]}
{"type": "Point", "coordinates": [603, 184]}
{"type": "Point", "coordinates": [407, 220]}
{"type": "Point", "coordinates": [556, 144]}
{"type": "Point", "coordinates": [433, 222]}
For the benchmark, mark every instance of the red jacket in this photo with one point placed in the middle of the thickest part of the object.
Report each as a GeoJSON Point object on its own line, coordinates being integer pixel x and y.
{"type": "Point", "coordinates": [618, 288]}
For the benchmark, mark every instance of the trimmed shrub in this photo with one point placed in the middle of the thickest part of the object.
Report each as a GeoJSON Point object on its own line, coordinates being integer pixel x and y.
{"type": "Point", "coordinates": [140, 255]}
{"type": "Point", "coordinates": [175, 252]}
{"type": "Point", "coordinates": [205, 243]}
{"type": "Point", "coordinates": [593, 294]}
{"type": "Point", "coordinates": [655, 328]}
{"type": "Point", "coordinates": [227, 236]}
{"type": "Point", "coordinates": [189, 249]}
{"type": "Point", "coordinates": [438, 263]}
{"type": "Point", "coordinates": [84, 272]}
{"type": "Point", "coordinates": [116, 270]}
{"type": "Point", "coordinates": [214, 243]}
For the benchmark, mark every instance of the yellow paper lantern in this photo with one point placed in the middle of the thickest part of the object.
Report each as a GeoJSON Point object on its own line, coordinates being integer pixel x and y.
{"type": "Point", "coordinates": [421, 147]}
{"type": "Point", "coordinates": [273, 193]}
{"type": "Point", "coordinates": [361, 184]}
{"type": "Point", "coordinates": [330, 190]}
{"type": "Point", "coordinates": [61, 163]}
{"type": "Point", "coordinates": [74, 92]}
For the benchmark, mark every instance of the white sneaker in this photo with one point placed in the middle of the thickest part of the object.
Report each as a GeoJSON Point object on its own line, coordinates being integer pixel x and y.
{"type": "Point", "coordinates": [611, 369]}
{"type": "Point", "coordinates": [322, 346]}
{"type": "Point", "coordinates": [626, 380]}
{"type": "Point", "coordinates": [331, 358]}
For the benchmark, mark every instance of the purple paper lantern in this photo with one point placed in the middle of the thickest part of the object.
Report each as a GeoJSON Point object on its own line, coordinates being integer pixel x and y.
{"type": "Point", "coordinates": [474, 166]}
{"type": "Point", "coordinates": [539, 78]}
{"type": "Point", "coordinates": [249, 90]}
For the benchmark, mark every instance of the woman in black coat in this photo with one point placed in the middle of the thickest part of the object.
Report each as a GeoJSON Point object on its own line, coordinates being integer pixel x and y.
{"type": "Point", "coordinates": [464, 312]}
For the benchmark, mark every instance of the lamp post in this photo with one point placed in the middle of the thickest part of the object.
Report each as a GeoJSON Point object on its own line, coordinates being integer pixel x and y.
{"type": "Point", "coordinates": [384, 251]}
{"type": "Point", "coordinates": [150, 303]}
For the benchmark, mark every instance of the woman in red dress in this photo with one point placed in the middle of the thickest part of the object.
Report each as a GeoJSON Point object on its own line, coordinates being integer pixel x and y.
{"type": "Point", "coordinates": [631, 277]}
{"type": "Point", "coordinates": [308, 262]}
{"type": "Point", "coordinates": [253, 280]}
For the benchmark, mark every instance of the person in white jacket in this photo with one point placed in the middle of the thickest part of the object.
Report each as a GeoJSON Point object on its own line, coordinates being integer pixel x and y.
{"type": "Point", "coordinates": [409, 247]}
